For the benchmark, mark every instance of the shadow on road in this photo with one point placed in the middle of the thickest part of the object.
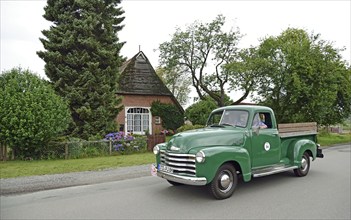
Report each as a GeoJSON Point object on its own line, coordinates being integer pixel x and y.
{"type": "Point", "coordinates": [186, 193]}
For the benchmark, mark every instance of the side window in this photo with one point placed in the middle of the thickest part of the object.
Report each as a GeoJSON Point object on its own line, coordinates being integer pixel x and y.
{"type": "Point", "coordinates": [263, 120]}
{"type": "Point", "coordinates": [256, 120]}
{"type": "Point", "coordinates": [268, 120]}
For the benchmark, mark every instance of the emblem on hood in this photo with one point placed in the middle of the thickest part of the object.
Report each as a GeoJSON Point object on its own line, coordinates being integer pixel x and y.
{"type": "Point", "coordinates": [175, 148]}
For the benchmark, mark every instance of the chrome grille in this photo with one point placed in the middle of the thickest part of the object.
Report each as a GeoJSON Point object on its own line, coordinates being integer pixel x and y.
{"type": "Point", "coordinates": [183, 164]}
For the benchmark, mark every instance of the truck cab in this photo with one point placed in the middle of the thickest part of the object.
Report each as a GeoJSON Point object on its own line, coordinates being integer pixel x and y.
{"type": "Point", "coordinates": [237, 140]}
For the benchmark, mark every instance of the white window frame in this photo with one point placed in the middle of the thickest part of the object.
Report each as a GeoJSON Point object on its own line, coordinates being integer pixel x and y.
{"type": "Point", "coordinates": [157, 120]}
{"type": "Point", "coordinates": [132, 117]}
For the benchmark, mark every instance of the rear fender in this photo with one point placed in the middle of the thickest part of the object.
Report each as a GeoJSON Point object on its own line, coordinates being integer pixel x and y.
{"type": "Point", "coordinates": [299, 147]}
{"type": "Point", "coordinates": [217, 156]}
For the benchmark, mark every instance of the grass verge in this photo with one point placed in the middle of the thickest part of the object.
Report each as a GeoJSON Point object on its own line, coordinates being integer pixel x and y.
{"type": "Point", "coordinates": [11, 169]}
{"type": "Point", "coordinates": [328, 139]}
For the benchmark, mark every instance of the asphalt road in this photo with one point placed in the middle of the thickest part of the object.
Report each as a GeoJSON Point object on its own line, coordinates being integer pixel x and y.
{"type": "Point", "coordinates": [323, 194]}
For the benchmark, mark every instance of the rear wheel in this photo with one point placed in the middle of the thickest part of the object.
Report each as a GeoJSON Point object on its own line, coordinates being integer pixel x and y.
{"type": "Point", "coordinates": [305, 166]}
{"type": "Point", "coordinates": [224, 183]}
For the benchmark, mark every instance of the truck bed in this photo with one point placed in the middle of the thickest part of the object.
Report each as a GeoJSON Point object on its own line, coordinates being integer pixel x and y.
{"type": "Point", "coordinates": [297, 129]}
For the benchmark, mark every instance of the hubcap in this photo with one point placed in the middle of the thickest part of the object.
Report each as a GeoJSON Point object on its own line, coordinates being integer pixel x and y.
{"type": "Point", "coordinates": [304, 164]}
{"type": "Point", "coordinates": [225, 182]}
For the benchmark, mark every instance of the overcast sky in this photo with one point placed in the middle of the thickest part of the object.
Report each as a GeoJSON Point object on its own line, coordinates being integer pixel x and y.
{"type": "Point", "coordinates": [149, 23]}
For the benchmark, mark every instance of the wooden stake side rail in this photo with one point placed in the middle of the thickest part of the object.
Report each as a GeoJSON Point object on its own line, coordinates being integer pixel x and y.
{"type": "Point", "coordinates": [297, 129]}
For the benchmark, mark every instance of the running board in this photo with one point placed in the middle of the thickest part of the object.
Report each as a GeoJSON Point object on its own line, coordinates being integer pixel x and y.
{"type": "Point", "coordinates": [271, 170]}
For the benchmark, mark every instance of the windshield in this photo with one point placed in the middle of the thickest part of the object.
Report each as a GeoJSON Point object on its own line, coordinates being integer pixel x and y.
{"type": "Point", "coordinates": [236, 118]}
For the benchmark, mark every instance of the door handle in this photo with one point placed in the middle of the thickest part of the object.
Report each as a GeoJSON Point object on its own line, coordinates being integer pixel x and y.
{"type": "Point", "coordinates": [274, 134]}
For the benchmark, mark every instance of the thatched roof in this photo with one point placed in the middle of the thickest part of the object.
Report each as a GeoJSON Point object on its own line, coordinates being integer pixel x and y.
{"type": "Point", "coordinates": [138, 77]}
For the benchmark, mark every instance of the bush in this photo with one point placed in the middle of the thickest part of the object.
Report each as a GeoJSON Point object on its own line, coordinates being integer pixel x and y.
{"type": "Point", "coordinates": [168, 132]}
{"type": "Point", "coordinates": [189, 127]}
{"type": "Point", "coordinates": [31, 114]}
{"type": "Point", "coordinates": [126, 144]}
{"type": "Point", "coordinates": [79, 148]}
{"type": "Point", "coordinates": [171, 116]}
{"type": "Point", "coordinates": [198, 112]}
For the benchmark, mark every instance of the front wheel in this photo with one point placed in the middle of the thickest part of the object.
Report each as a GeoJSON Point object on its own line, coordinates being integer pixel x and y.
{"type": "Point", "coordinates": [305, 166]}
{"type": "Point", "coordinates": [224, 183]}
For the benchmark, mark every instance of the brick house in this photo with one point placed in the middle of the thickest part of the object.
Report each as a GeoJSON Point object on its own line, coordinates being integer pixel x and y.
{"type": "Point", "coordinates": [139, 86]}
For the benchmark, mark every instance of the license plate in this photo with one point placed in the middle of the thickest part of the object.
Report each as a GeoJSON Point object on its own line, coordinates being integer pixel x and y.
{"type": "Point", "coordinates": [166, 168]}
{"type": "Point", "coordinates": [153, 170]}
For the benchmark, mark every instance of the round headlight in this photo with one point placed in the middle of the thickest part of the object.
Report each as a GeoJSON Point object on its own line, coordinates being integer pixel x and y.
{"type": "Point", "coordinates": [200, 157]}
{"type": "Point", "coordinates": [156, 150]}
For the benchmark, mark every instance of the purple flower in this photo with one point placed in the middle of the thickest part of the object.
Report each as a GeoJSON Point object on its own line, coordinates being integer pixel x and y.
{"type": "Point", "coordinates": [129, 138]}
{"type": "Point", "coordinates": [118, 147]}
{"type": "Point", "coordinates": [116, 136]}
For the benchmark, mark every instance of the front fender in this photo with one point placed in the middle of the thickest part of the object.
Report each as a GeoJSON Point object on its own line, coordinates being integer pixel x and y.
{"type": "Point", "coordinates": [216, 156]}
{"type": "Point", "coordinates": [298, 148]}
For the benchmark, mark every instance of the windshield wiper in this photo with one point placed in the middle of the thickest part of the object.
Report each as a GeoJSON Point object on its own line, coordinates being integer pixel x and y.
{"type": "Point", "coordinates": [217, 125]}
{"type": "Point", "coordinates": [226, 124]}
{"type": "Point", "coordinates": [221, 125]}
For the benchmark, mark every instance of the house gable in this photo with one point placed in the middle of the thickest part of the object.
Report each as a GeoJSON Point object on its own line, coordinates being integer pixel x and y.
{"type": "Point", "coordinates": [140, 86]}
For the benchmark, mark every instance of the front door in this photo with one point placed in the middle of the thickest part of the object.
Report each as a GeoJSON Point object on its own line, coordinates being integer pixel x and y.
{"type": "Point", "coordinates": [265, 144]}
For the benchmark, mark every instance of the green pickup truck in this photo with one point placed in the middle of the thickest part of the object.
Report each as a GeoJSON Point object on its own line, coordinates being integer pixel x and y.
{"type": "Point", "coordinates": [238, 140]}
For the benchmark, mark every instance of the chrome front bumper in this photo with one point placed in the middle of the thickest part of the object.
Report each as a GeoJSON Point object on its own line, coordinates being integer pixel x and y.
{"type": "Point", "coordinates": [195, 181]}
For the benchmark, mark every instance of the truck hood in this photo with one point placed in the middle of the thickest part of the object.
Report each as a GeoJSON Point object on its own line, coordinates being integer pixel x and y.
{"type": "Point", "coordinates": [207, 137]}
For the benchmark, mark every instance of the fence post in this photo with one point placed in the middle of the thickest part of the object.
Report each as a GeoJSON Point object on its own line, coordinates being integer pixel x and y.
{"type": "Point", "coordinates": [13, 153]}
{"type": "Point", "coordinates": [5, 152]}
{"type": "Point", "coordinates": [2, 146]}
{"type": "Point", "coordinates": [110, 146]}
{"type": "Point", "coordinates": [66, 151]}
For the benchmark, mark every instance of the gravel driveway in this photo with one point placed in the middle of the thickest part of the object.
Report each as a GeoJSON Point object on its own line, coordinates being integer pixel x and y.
{"type": "Point", "coordinates": [36, 183]}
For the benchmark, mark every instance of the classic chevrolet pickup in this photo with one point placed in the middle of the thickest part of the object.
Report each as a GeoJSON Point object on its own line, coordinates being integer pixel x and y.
{"type": "Point", "coordinates": [238, 140]}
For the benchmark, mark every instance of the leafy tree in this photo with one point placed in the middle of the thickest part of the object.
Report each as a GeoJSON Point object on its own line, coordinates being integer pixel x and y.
{"type": "Point", "coordinates": [193, 50]}
{"type": "Point", "coordinates": [82, 61]}
{"type": "Point", "coordinates": [31, 114]}
{"type": "Point", "coordinates": [176, 82]}
{"type": "Point", "coordinates": [198, 112]}
{"type": "Point", "coordinates": [245, 73]}
{"type": "Point", "coordinates": [304, 78]}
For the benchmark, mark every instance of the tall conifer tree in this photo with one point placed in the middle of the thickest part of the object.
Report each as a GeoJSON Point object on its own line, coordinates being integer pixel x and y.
{"type": "Point", "coordinates": [82, 60]}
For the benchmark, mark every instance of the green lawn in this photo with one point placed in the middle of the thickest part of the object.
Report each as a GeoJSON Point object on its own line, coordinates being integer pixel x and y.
{"type": "Point", "coordinates": [10, 169]}
{"type": "Point", "coordinates": [326, 139]}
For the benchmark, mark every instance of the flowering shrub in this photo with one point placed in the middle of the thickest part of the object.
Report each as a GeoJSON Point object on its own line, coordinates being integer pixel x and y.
{"type": "Point", "coordinates": [126, 143]}
{"type": "Point", "coordinates": [167, 132]}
